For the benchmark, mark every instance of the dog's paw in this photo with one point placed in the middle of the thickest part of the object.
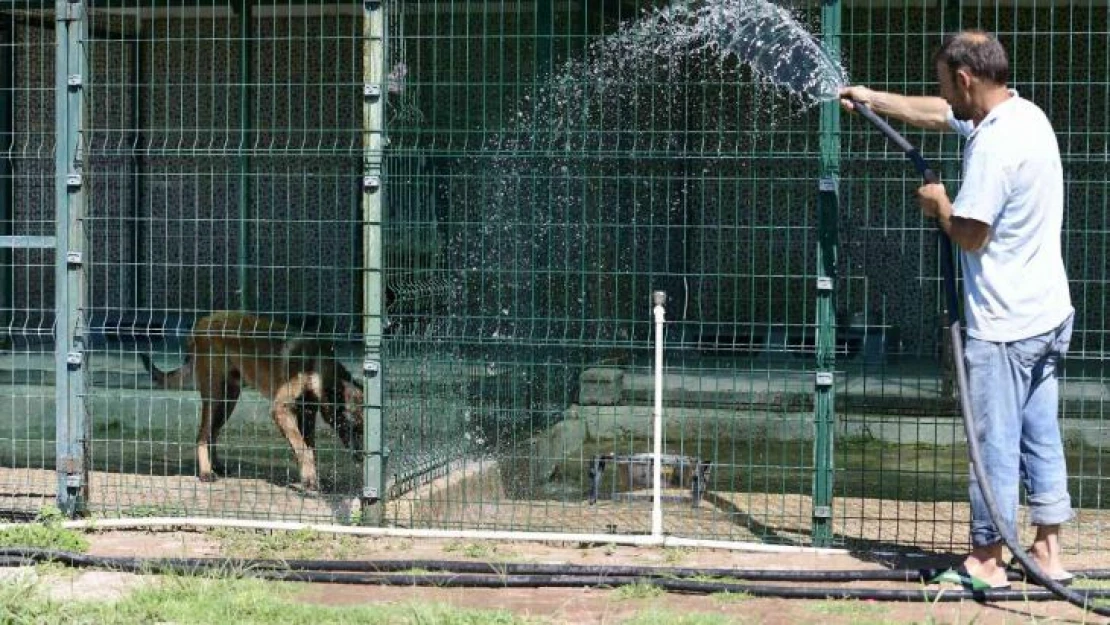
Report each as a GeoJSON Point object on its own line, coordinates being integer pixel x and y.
{"type": "Point", "coordinates": [310, 481]}
{"type": "Point", "coordinates": [208, 477]}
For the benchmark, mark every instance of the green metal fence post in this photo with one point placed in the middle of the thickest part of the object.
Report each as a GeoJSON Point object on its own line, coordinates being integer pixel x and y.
{"type": "Point", "coordinates": [828, 204]}
{"type": "Point", "coordinates": [70, 360]}
{"type": "Point", "coordinates": [373, 143]}
{"type": "Point", "coordinates": [7, 186]}
{"type": "Point", "coordinates": [244, 10]}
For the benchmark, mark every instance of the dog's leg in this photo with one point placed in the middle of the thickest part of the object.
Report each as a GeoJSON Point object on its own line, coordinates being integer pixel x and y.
{"type": "Point", "coordinates": [221, 412]}
{"type": "Point", "coordinates": [204, 439]}
{"type": "Point", "coordinates": [210, 381]}
{"type": "Point", "coordinates": [285, 417]}
{"type": "Point", "coordinates": [306, 421]}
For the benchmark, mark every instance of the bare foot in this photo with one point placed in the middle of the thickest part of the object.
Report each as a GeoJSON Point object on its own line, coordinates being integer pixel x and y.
{"type": "Point", "coordinates": [989, 569]}
{"type": "Point", "coordinates": [1046, 552]}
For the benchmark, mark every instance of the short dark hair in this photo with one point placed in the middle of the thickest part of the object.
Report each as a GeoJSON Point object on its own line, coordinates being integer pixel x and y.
{"type": "Point", "coordinates": [981, 53]}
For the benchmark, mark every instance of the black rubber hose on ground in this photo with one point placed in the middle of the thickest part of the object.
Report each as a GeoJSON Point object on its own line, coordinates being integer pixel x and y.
{"type": "Point", "coordinates": [516, 575]}
{"type": "Point", "coordinates": [28, 556]}
{"type": "Point", "coordinates": [1028, 563]}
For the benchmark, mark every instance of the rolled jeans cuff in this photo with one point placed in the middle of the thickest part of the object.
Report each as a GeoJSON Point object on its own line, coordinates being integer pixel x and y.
{"type": "Point", "coordinates": [1050, 508]}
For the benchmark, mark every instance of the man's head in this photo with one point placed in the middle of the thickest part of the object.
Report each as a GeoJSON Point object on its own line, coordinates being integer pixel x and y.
{"type": "Point", "coordinates": [971, 66]}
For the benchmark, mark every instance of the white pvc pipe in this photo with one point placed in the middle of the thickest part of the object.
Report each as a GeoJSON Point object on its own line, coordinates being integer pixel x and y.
{"type": "Point", "coordinates": [393, 532]}
{"type": "Point", "coordinates": [658, 298]}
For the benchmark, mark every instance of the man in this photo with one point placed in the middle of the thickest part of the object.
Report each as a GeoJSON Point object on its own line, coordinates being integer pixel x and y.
{"type": "Point", "coordinates": [1006, 220]}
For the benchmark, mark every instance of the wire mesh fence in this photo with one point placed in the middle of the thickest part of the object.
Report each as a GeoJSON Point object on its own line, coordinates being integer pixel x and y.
{"type": "Point", "coordinates": [546, 169]}
{"type": "Point", "coordinates": [26, 273]}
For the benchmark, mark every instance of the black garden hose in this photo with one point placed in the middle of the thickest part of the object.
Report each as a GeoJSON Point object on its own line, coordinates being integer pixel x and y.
{"type": "Point", "coordinates": [949, 274]}
{"type": "Point", "coordinates": [466, 574]}
{"type": "Point", "coordinates": [29, 555]}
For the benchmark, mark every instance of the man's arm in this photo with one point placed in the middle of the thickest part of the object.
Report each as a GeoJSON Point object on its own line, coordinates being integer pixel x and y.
{"type": "Point", "coordinates": [970, 234]}
{"type": "Point", "coordinates": [928, 112]}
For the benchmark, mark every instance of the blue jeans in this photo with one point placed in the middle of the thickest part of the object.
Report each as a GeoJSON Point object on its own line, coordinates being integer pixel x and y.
{"type": "Point", "coordinates": [1014, 398]}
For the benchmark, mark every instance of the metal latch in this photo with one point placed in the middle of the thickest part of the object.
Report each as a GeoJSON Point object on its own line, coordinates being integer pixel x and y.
{"type": "Point", "coordinates": [822, 512]}
{"type": "Point", "coordinates": [73, 258]}
{"type": "Point", "coordinates": [828, 184]}
{"type": "Point", "coordinates": [824, 378]}
{"type": "Point", "coordinates": [371, 367]}
{"type": "Point", "coordinates": [371, 184]}
{"type": "Point", "coordinates": [372, 91]}
{"type": "Point", "coordinates": [824, 284]}
{"type": "Point", "coordinates": [73, 180]}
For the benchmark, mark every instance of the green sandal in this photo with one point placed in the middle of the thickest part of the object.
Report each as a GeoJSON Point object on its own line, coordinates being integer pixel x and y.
{"type": "Point", "coordinates": [961, 577]}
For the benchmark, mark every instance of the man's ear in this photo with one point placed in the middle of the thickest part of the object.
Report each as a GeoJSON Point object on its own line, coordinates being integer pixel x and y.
{"type": "Point", "coordinates": [964, 78]}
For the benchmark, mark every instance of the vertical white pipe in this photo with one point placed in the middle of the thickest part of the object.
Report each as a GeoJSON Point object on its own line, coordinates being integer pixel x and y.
{"type": "Point", "coordinates": [658, 298]}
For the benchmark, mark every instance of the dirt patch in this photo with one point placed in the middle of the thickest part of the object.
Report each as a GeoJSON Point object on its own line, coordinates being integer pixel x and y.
{"type": "Point", "coordinates": [92, 585]}
{"type": "Point", "coordinates": [76, 585]}
{"type": "Point", "coordinates": [154, 544]}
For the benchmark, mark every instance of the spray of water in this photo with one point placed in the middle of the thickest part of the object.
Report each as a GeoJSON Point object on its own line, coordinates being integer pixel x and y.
{"type": "Point", "coordinates": [562, 215]}
{"type": "Point", "coordinates": [584, 135]}
{"type": "Point", "coordinates": [764, 36]}
{"type": "Point", "coordinates": [613, 123]}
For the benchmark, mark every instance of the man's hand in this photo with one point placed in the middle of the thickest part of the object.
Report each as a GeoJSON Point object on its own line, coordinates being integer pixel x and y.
{"type": "Point", "coordinates": [934, 201]}
{"type": "Point", "coordinates": [971, 235]}
{"type": "Point", "coordinates": [858, 94]}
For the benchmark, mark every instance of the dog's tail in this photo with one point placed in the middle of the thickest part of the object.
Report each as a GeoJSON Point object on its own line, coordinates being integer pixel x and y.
{"type": "Point", "coordinates": [179, 378]}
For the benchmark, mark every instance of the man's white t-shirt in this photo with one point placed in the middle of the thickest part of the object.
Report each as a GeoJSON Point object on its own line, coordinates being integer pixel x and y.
{"type": "Point", "coordinates": [1013, 181]}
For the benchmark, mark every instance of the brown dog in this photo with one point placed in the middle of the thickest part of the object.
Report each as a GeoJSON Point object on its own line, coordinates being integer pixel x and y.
{"type": "Point", "coordinates": [299, 376]}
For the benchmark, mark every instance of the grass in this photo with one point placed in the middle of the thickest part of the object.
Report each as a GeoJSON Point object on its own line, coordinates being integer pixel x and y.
{"type": "Point", "coordinates": [156, 510]}
{"type": "Point", "coordinates": [676, 555]}
{"type": "Point", "coordinates": [1100, 584]}
{"type": "Point", "coordinates": [469, 549]}
{"type": "Point", "coordinates": [638, 591]}
{"type": "Point", "coordinates": [731, 597]}
{"type": "Point", "coordinates": [858, 611]}
{"type": "Point", "coordinates": [478, 550]}
{"type": "Point", "coordinates": [188, 601]}
{"type": "Point", "coordinates": [45, 533]}
{"type": "Point", "coordinates": [657, 617]}
{"type": "Point", "coordinates": [302, 544]}
{"type": "Point", "coordinates": [228, 598]}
